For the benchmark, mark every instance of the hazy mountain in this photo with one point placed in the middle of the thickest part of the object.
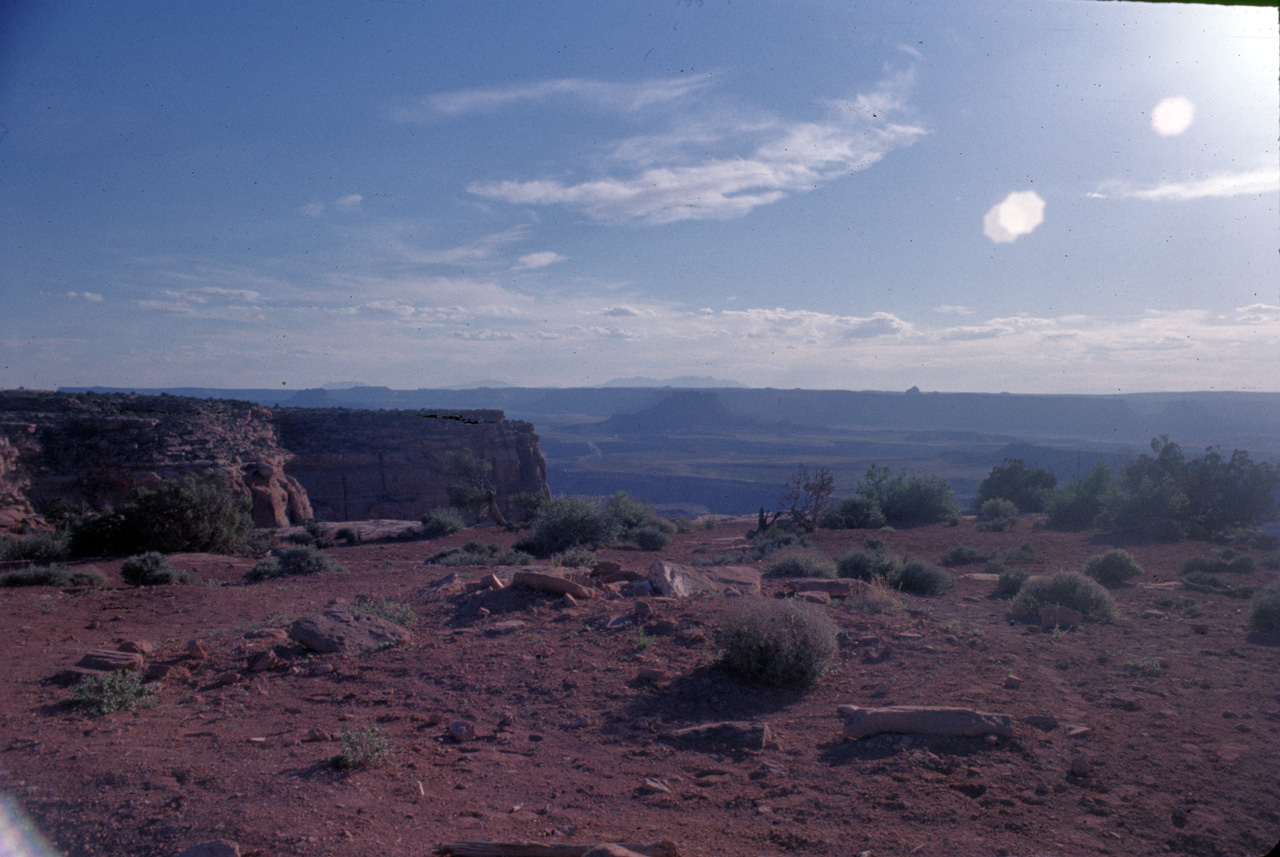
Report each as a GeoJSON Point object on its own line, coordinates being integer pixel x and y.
{"type": "Point", "coordinates": [685, 381]}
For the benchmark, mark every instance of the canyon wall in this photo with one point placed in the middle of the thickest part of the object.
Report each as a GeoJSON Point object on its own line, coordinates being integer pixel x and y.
{"type": "Point", "coordinates": [293, 463]}
{"type": "Point", "coordinates": [362, 464]}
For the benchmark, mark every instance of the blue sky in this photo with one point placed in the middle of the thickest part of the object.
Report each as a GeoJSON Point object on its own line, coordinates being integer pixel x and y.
{"type": "Point", "coordinates": [1041, 196]}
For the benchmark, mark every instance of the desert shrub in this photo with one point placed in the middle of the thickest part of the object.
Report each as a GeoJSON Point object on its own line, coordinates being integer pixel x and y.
{"type": "Point", "coordinates": [575, 558]}
{"type": "Point", "coordinates": [200, 514]}
{"type": "Point", "coordinates": [874, 543]}
{"type": "Point", "coordinates": [1148, 667]}
{"type": "Point", "coordinates": [101, 695]}
{"type": "Point", "coordinates": [1112, 568]}
{"type": "Point", "coordinates": [908, 500]}
{"type": "Point", "coordinates": [347, 534]}
{"type": "Point", "coordinates": [877, 597]}
{"type": "Point", "coordinates": [393, 611]}
{"type": "Point", "coordinates": [776, 538]}
{"type": "Point", "coordinates": [52, 575]}
{"type": "Point", "coordinates": [777, 642]}
{"type": "Point", "coordinates": [152, 569]}
{"type": "Point", "coordinates": [854, 513]}
{"type": "Point", "coordinates": [1010, 582]}
{"type": "Point", "coordinates": [1227, 561]}
{"type": "Point", "coordinates": [626, 512]}
{"type": "Point", "coordinates": [996, 525]}
{"type": "Point", "coordinates": [1027, 489]}
{"type": "Point", "coordinates": [913, 575]}
{"type": "Point", "coordinates": [299, 537]}
{"type": "Point", "coordinates": [963, 555]}
{"type": "Point", "coordinates": [997, 509]}
{"type": "Point", "coordinates": [1079, 505]}
{"type": "Point", "coordinates": [1066, 589]}
{"type": "Point", "coordinates": [567, 523]}
{"type": "Point", "coordinates": [865, 564]}
{"type": "Point", "coordinates": [1264, 609]}
{"type": "Point", "coordinates": [41, 547]}
{"type": "Point", "coordinates": [1023, 554]}
{"type": "Point", "coordinates": [361, 749]}
{"type": "Point", "coordinates": [480, 554]}
{"type": "Point", "coordinates": [292, 562]}
{"type": "Point", "coordinates": [650, 538]}
{"type": "Point", "coordinates": [441, 522]}
{"type": "Point", "coordinates": [526, 505]}
{"type": "Point", "coordinates": [800, 562]}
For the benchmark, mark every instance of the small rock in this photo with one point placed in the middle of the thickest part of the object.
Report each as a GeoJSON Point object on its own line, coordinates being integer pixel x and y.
{"type": "Point", "coordinates": [315, 733]}
{"type": "Point", "coordinates": [643, 609]}
{"type": "Point", "coordinates": [1079, 765]}
{"type": "Point", "coordinates": [500, 629]}
{"type": "Point", "coordinates": [991, 739]}
{"type": "Point", "coordinates": [323, 669]}
{"type": "Point", "coordinates": [227, 679]}
{"type": "Point", "coordinates": [491, 581]}
{"type": "Point", "coordinates": [618, 622]}
{"type": "Point", "coordinates": [213, 848]}
{"type": "Point", "coordinates": [195, 651]}
{"type": "Point", "coordinates": [636, 589]}
{"type": "Point", "coordinates": [267, 660]}
{"type": "Point", "coordinates": [1077, 731]}
{"type": "Point", "coordinates": [1044, 722]}
{"type": "Point", "coordinates": [94, 625]}
{"type": "Point", "coordinates": [651, 674]}
{"type": "Point", "coordinates": [462, 731]}
{"type": "Point", "coordinates": [567, 600]}
{"type": "Point", "coordinates": [1012, 682]}
{"type": "Point", "coordinates": [141, 647]}
{"type": "Point", "coordinates": [652, 785]}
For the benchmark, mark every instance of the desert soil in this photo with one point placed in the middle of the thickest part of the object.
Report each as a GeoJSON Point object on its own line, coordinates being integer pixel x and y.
{"type": "Point", "coordinates": [1181, 710]}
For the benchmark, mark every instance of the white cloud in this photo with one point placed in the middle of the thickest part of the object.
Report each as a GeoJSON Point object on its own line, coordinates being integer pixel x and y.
{"type": "Point", "coordinates": [1016, 215]}
{"type": "Point", "coordinates": [1172, 116]}
{"type": "Point", "coordinates": [531, 261]}
{"type": "Point", "coordinates": [793, 157]}
{"type": "Point", "coordinates": [350, 202]}
{"type": "Point", "coordinates": [313, 209]}
{"type": "Point", "coordinates": [1249, 183]}
{"type": "Point", "coordinates": [626, 97]}
{"type": "Point", "coordinates": [92, 297]}
{"type": "Point", "coordinates": [400, 241]}
{"type": "Point", "coordinates": [394, 308]}
{"type": "Point", "coordinates": [953, 309]}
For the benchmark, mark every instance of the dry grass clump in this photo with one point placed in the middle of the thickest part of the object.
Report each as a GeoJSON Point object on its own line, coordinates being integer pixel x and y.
{"type": "Point", "coordinates": [52, 575]}
{"type": "Point", "coordinates": [291, 562]}
{"type": "Point", "coordinates": [152, 569]}
{"type": "Point", "coordinates": [800, 562]}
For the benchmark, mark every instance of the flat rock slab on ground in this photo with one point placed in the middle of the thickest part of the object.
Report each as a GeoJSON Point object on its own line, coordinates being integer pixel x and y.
{"type": "Point", "coordinates": [923, 720]}
{"type": "Point", "coordinates": [835, 588]}
{"type": "Point", "coordinates": [751, 734]}
{"type": "Point", "coordinates": [339, 632]}
{"type": "Point", "coordinates": [550, 583]}
{"type": "Point", "coordinates": [681, 581]}
{"type": "Point", "coordinates": [105, 660]}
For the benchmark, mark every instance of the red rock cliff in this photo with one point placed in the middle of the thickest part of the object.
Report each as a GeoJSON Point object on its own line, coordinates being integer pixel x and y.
{"type": "Point", "coordinates": [357, 464]}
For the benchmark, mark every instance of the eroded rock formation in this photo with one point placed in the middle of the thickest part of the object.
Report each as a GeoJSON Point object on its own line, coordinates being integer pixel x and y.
{"type": "Point", "coordinates": [92, 450]}
{"type": "Point", "coordinates": [293, 463]}
{"type": "Point", "coordinates": [358, 464]}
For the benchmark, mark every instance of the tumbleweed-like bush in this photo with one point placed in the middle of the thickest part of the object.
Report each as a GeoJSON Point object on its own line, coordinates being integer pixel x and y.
{"type": "Point", "coordinates": [777, 642]}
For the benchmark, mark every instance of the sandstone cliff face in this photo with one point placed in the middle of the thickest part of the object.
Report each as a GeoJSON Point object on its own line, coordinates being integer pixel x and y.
{"type": "Point", "coordinates": [358, 464]}
{"type": "Point", "coordinates": [94, 449]}
{"type": "Point", "coordinates": [16, 514]}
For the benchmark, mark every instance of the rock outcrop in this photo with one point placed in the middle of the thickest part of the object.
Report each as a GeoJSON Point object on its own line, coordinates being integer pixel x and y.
{"type": "Point", "coordinates": [92, 450]}
{"type": "Point", "coordinates": [357, 465]}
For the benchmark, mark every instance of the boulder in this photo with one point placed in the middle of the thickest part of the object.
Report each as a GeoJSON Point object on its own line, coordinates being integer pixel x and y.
{"type": "Point", "coordinates": [345, 633]}
{"type": "Point", "coordinates": [923, 720]}
{"type": "Point", "coordinates": [681, 581]}
{"type": "Point", "coordinates": [550, 584]}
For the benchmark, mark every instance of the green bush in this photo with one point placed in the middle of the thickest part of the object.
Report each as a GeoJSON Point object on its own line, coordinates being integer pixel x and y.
{"type": "Point", "coordinates": [908, 500]}
{"type": "Point", "coordinates": [1066, 589]}
{"type": "Point", "coordinates": [526, 505]}
{"type": "Point", "coordinates": [41, 547]}
{"type": "Point", "coordinates": [777, 642]}
{"type": "Point", "coordinates": [963, 555]}
{"type": "Point", "coordinates": [101, 695]}
{"type": "Point", "coordinates": [441, 522]}
{"type": "Point", "coordinates": [1027, 489]}
{"type": "Point", "coordinates": [800, 562]}
{"type": "Point", "coordinates": [361, 749]}
{"type": "Point", "coordinates": [199, 514]}
{"type": "Point", "coordinates": [152, 569]}
{"type": "Point", "coordinates": [567, 523]}
{"type": "Point", "coordinates": [1112, 568]}
{"type": "Point", "coordinates": [1264, 609]}
{"type": "Point", "coordinates": [299, 537]}
{"type": "Point", "coordinates": [1079, 505]}
{"type": "Point", "coordinates": [348, 534]}
{"type": "Point", "coordinates": [52, 575]}
{"type": "Point", "coordinates": [292, 562]}
{"type": "Point", "coordinates": [997, 509]}
{"type": "Point", "coordinates": [650, 538]}
{"type": "Point", "coordinates": [865, 564]}
{"type": "Point", "coordinates": [480, 554]}
{"type": "Point", "coordinates": [854, 513]}
{"type": "Point", "coordinates": [921, 578]}
{"type": "Point", "coordinates": [626, 513]}
{"type": "Point", "coordinates": [1227, 561]}
{"type": "Point", "coordinates": [776, 538]}
{"type": "Point", "coordinates": [393, 611]}
{"type": "Point", "coordinates": [1010, 582]}
{"type": "Point", "coordinates": [575, 558]}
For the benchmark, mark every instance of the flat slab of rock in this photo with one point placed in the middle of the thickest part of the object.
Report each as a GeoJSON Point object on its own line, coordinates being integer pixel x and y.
{"type": "Point", "coordinates": [681, 581]}
{"type": "Point", "coordinates": [751, 734]}
{"type": "Point", "coordinates": [550, 583]}
{"type": "Point", "coordinates": [339, 632]}
{"type": "Point", "coordinates": [923, 720]}
{"type": "Point", "coordinates": [835, 588]}
{"type": "Point", "coordinates": [105, 660]}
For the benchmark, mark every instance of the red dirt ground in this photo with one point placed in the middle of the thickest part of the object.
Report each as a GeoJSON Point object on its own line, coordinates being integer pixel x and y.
{"type": "Point", "coordinates": [1182, 762]}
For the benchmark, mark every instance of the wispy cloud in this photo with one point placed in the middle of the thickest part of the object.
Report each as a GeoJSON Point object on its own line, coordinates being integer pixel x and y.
{"type": "Point", "coordinates": [603, 95]}
{"type": "Point", "coordinates": [953, 309]}
{"type": "Point", "coordinates": [1248, 183]}
{"type": "Point", "coordinates": [531, 261]}
{"type": "Point", "coordinates": [92, 297]}
{"type": "Point", "coordinates": [350, 202]}
{"type": "Point", "coordinates": [791, 158]}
